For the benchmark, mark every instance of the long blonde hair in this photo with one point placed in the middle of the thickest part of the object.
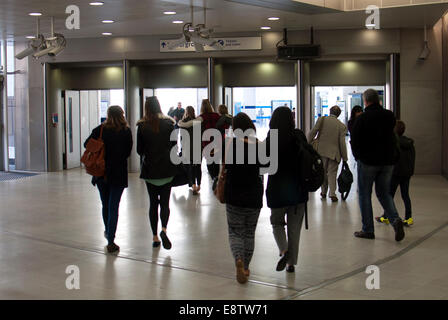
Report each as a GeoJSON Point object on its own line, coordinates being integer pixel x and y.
{"type": "Point", "coordinates": [115, 118]}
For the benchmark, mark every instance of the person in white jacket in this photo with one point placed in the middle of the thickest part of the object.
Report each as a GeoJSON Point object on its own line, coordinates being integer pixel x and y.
{"type": "Point", "coordinates": [328, 138]}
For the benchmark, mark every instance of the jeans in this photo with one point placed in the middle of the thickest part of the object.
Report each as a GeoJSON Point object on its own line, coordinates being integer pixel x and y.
{"type": "Point", "coordinates": [294, 217]}
{"type": "Point", "coordinates": [242, 223]}
{"type": "Point", "coordinates": [403, 182]}
{"type": "Point", "coordinates": [381, 175]}
{"type": "Point", "coordinates": [110, 198]}
{"type": "Point", "coordinates": [159, 195]}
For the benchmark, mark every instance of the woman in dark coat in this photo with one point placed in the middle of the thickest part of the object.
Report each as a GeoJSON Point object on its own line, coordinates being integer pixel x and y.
{"type": "Point", "coordinates": [285, 196]}
{"type": "Point", "coordinates": [154, 145]}
{"type": "Point", "coordinates": [117, 140]}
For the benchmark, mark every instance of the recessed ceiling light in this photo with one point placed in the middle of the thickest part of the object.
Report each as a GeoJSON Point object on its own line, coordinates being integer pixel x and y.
{"type": "Point", "coordinates": [35, 14]}
{"type": "Point", "coordinates": [273, 18]}
{"type": "Point", "coordinates": [178, 21]}
{"type": "Point", "coordinates": [108, 21]}
{"type": "Point", "coordinates": [96, 3]}
{"type": "Point", "coordinates": [106, 33]}
{"type": "Point", "coordinates": [31, 37]}
{"type": "Point", "coordinates": [265, 28]}
{"type": "Point", "coordinates": [169, 12]}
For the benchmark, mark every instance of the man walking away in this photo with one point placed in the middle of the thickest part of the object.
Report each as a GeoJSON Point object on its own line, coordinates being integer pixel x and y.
{"type": "Point", "coordinates": [375, 148]}
{"type": "Point", "coordinates": [330, 144]}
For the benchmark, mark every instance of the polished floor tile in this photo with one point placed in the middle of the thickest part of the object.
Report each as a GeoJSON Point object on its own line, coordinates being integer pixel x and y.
{"type": "Point", "coordinates": [51, 221]}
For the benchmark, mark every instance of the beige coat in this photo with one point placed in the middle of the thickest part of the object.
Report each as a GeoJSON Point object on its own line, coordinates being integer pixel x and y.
{"type": "Point", "coordinates": [331, 138]}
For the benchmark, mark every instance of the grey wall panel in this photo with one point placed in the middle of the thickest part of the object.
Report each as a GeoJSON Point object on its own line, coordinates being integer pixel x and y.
{"type": "Point", "coordinates": [258, 74]}
{"type": "Point", "coordinates": [445, 98]}
{"type": "Point", "coordinates": [347, 73]}
{"type": "Point", "coordinates": [93, 78]}
{"type": "Point", "coordinates": [218, 83]}
{"type": "Point", "coordinates": [133, 103]}
{"type": "Point", "coordinates": [174, 76]}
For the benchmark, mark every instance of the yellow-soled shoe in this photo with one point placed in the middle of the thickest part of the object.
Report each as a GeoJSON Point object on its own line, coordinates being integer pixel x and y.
{"type": "Point", "coordinates": [382, 220]}
{"type": "Point", "coordinates": [408, 222]}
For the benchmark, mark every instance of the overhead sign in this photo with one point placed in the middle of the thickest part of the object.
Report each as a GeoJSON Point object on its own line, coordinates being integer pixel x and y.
{"type": "Point", "coordinates": [227, 44]}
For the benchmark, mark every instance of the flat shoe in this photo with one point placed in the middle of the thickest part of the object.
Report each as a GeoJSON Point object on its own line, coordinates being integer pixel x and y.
{"type": "Point", "coordinates": [281, 265]}
{"type": "Point", "coordinates": [240, 274]}
{"type": "Point", "coordinates": [165, 241]}
{"type": "Point", "coordinates": [156, 244]}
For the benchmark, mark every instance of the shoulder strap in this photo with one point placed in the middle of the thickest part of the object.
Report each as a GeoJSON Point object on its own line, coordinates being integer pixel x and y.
{"type": "Point", "coordinates": [101, 132]}
{"type": "Point", "coordinates": [306, 215]}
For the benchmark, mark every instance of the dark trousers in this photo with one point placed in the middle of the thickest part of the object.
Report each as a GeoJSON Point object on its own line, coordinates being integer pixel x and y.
{"type": "Point", "coordinates": [159, 195]}
{"type": "Point", "coordinates": [403, 182]}
{"type": "Point", "coordinates": [110, 198]}
{"type": "Point", "coordinates": [194, 174]}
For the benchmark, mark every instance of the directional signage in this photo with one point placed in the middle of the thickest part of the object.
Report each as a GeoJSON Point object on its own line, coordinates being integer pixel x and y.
{"type": "Point", "coordinates": [227, 44]}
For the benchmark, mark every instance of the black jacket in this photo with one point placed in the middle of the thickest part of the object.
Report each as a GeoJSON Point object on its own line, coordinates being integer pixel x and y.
{"type": "Point", "coordinates": [117, 147]}
{"type": "Point", "coordinates": [406, 163]}
{"type": "Point", "coordinates": [373, 139]}
{"type": "Point", "coordinates": [244, 185]}
{"type": "Point", "coordinates": [155, 149]}
{"type": "Point", "coordinates": [283, 189]}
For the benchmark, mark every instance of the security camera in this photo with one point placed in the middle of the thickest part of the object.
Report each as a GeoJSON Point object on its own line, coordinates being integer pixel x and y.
{"type": "Point", "coordinates": [425, 52]}
{"type": "Point", "coordinates": [53, 46]}
{"type": "Point", "coordinates": [33, 46]}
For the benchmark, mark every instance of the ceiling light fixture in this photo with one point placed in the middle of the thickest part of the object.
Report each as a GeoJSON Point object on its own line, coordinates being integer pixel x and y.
{"type": "Point", "coordinates": [170, 12]}
{"type": "Point", "coordinates": [31, 37]}
{"type": "Point", "coordinates": [265, 28]}
{"type": "Point", "coordinates": [178, 21]}
{"type": "Point", "coordinates": [35, 14]}
{"type": "Point", "coordinates": [96, 3]}
{"type": "Point", "coordinates": [106, 33]}
{"type": "Point", "coordinates": [273, 18]}
{"type": "Point", "coordinates": [108, 21]}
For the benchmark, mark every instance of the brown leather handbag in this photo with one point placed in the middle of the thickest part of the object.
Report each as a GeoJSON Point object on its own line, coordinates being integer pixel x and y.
{"type": "Point", "coordinates": [93, 157]}
{"type": "Point", "coordinates": [221, 185]}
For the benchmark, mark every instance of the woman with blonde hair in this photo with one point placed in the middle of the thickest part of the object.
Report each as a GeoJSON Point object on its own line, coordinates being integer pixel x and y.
{"type": "Point", "coordinates": [154, 145]}
{"type": "Point", "coordinates": [208, 119]}
{"type": "Point", "coordinates": [117, 138]}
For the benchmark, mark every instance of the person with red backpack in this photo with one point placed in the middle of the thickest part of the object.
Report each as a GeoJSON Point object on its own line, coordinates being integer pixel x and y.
{"type": "Point", "coordinates": [208, 119]}
{"type": "Point", "coordinates": [114, 138]}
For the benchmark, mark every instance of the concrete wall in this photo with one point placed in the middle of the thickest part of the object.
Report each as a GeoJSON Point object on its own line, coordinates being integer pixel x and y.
{"type": "Point", "coordinates": [445, 96]}
{"type": "Point", "coordinates": [421, 97]}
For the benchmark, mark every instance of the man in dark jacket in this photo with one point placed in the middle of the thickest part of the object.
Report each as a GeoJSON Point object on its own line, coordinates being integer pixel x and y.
{"type": "Point", "coordinates": [403, 171]}
{"type": "Point", "coordinates": [375, 148]}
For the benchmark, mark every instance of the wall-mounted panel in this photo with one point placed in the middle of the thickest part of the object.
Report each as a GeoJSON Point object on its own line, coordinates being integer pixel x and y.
{"type": "Point", "coordinates": [173, 76]}
{"type": "Point", "coordinates": [258, 74]}
{"type": "Point", "coordinates": [348, 73]}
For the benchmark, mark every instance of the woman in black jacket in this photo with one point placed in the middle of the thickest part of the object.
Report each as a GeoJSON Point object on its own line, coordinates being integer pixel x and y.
{"type": "Point", "coordinates": [154, 145]}
{"type": "Point", "coordinates": [117, 138]}
{"type": "Point", "coordinates": [243, 195]}
{"type": "Point", "coordinates": [284, 194]}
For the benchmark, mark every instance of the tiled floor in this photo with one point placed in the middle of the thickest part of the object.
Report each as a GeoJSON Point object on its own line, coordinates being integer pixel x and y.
{"type": "Point", "coordinates": [51, 221]}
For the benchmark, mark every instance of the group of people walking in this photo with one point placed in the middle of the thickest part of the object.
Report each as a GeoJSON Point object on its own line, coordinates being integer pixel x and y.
{"type": "Point", "coordinates": [373, 146]}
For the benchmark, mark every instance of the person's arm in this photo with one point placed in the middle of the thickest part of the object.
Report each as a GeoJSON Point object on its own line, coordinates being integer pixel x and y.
{"type": "Point", "coordinates": [129, 142]}
{"type": "Point", "coordinates": [315, 130]}
{"type": "Point", "coordinates": [95, 134]}
{"type": "Point", "coordinates": [140, 141]}
{"type": "Point", "coordinates": [356, 136]}
{"type": "Point", "coordinates": [190, 123]}
{"type": "Point", "coordinates": [342, 144]}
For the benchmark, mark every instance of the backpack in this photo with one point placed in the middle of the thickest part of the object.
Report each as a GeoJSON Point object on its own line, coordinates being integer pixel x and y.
{"type": "Point", "coordinates": [93, 157]}
{"type": "Point", "coordinates": [311, 169]}
{"type": "Point", "coordinates": [345, 181]}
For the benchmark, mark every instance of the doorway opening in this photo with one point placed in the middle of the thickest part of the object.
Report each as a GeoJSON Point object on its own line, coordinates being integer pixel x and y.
{"type": "Point", "coordinates": [260, 102]}
{"type": "Point", "coordinates": [346, 97]}
{"type": "Point", "coordinates": [83, 111]}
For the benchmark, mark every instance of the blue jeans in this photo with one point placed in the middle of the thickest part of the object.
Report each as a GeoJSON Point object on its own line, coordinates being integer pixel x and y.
{"type": "Point", "coordinates": [382, 176]}
{"type": "Point", "coordinates": [110, 198]}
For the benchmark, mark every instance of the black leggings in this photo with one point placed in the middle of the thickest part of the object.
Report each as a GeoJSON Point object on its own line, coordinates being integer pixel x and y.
{"type": "Point", "coordinates": [159, 195]}
{"type": "Point", "coordinates": [194, 174]}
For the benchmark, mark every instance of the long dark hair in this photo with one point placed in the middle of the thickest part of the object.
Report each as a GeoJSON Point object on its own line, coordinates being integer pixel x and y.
{"type": "Point", "coordinates": [283, 121]}
{"type": "Point", "coordinates": [115, 119]}
{"type": "Point", "coordinates": [356, 109]}
{"type": "Point", "coordinates": [243, 122]}
{"type": "Point", "coordinates": [152, 111]}
{"type": "Point", "coordinates": [189, 114]}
